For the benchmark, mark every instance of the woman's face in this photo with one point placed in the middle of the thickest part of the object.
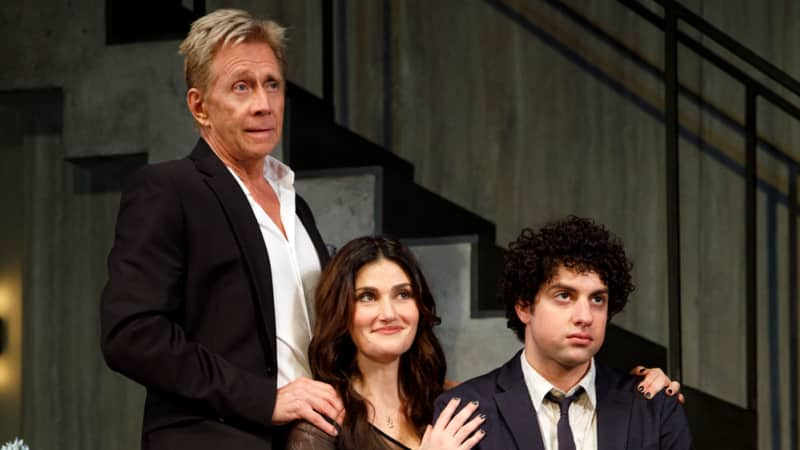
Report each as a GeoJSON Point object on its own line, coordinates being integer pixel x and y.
{"type": "Point", "coordinates": [385, 316]}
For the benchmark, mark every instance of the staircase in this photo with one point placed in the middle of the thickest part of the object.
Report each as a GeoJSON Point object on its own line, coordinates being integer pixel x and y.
{"type": "Point", "coordinates": [356, 187]}
{"type": "Point", "coordinates": [315, 146]}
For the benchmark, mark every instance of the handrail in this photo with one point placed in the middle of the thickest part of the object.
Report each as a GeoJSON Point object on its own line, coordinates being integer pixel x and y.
{"type": "Point", "coordinates": [673, 195]}
{"type": "Point", "coordinates": [674, 12]}
{"type": "Point", "coordinates": [703, 51]}
{"type": "Point", "coordinates": [732, 45]}
{"type": "Point", "coordinates": [583, 22]}
{"type": "Point", "coordinates": [327, 51]}
{"type": "Point", "coordinates": [793, 321]}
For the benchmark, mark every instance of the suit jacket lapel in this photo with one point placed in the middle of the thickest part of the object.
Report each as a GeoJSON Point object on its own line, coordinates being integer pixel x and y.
{"type": "Point", "coordinates": [613, 411]}
{"type": "Point", "coordinates": [307, 219]}
{"type": "Point", "coordinates": [514, 403]}
{"type": "Point", "coordinates": [247, 233]}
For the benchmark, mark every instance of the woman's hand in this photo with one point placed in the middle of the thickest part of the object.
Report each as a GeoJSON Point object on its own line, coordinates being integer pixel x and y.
{"type": "Point", "coordinates": [454, 432]}
{"type": "Point", "coordinates": [654, 381]}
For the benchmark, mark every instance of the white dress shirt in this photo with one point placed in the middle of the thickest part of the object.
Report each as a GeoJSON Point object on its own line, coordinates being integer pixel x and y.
{"type": "Point", "coordinates": [295, 269]}
{"type": "Point", "coordinates": [582, 417]}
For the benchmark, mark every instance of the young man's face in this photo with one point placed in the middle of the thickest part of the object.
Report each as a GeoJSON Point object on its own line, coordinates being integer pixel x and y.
{"type": "Point", "coordinates": [565, 325]}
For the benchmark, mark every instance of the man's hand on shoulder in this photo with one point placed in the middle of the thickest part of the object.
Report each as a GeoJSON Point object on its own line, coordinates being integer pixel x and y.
{"type": "Point", "coordinates": [307, 399]}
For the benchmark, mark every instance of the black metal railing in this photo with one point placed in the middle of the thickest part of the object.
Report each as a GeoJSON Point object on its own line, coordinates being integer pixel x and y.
{"type": "Point", "coordinates": [327, 51]}
{"type": "Point", "coordinates": [673, 14]}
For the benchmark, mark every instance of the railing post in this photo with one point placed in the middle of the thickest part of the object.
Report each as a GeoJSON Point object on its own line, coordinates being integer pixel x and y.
{"type": "Point", "coordinates": [793, 299]}
{"type": "Point", "coordinates": [387, 75]}
{"type": "Point", "coordinates": [327, 51]}
{"type": "Point", "coordinates": [750, 248]}
{"type": "Point", "coordinates": [673, 189]}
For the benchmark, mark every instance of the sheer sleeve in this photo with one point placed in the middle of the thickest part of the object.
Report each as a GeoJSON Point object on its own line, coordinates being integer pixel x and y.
{"type": "Point", "coordinates": [305, 436]}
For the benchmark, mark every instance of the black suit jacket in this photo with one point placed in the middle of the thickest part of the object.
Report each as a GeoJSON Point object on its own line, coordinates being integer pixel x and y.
{"type": "Point", "coordinates": [625, 420]}
{"type": "Point", "coordinates": [188, 308]}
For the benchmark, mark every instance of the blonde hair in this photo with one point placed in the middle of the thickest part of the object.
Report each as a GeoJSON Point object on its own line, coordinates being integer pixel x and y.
{"type": "Point", "coordinates": [226, 27]}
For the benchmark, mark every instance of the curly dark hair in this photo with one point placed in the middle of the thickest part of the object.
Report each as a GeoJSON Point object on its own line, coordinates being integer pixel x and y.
{"type": "Point", "coordinates": [576, 243]}
{"type": "Point", "coordinates": [332, 353]}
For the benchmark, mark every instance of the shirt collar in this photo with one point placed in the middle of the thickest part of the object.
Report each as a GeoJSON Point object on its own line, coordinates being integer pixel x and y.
{"type": "Point", "coordinates": [277, 172]}
{"type": "Point", "coordinates": [538, 386]}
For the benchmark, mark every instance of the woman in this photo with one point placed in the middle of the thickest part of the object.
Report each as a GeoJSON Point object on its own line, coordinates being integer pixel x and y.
{"type": "Point", "coordinates": [374, 343]}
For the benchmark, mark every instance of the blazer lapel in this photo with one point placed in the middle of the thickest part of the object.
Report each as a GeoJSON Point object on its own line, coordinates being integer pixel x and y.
{"type": "Point", "coordinates": [514, 403]}
{"type": "Point", "coordinates": [303, 212]}
{"type": "Point", "coordinates": [245, 229]}
{"type": "Point", "coordinates": [613, 411]}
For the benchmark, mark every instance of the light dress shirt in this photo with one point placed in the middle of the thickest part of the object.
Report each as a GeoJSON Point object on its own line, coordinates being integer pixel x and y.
{"type": "Point", "coordinates": [582, 417]}
{"type": "Point", "coordinates": [295, 268]}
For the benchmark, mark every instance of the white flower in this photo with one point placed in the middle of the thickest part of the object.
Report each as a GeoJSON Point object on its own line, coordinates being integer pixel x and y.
{"type": "Point", "coordinates": [16, 444]}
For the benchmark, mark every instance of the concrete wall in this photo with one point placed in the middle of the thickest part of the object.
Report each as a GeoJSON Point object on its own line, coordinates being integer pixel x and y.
{"type": "Point", "coordinates": [70, 398]}
{"type": "Point", "coordinates": [522, 117]}
{"type": "Point", "coordinates": [12, 258]}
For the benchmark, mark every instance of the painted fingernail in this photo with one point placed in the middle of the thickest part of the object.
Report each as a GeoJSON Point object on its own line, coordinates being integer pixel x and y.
{"type": "Point", "coordinates": [641, 369]}
{"type": "Point", "coordinates": [475, 402]}
{"type": "Point", "coordinates": [648, 395]}
{"type": "Point", "coordinates": [641, 388]}
{"type": "Point", "coordinates": [456, 399]}
{"type": "Point", "coordinates": [482, 416]}
{"type": "Point", "coordinates": [669, 391]}
{"type": "Point", "coordinates": [481, 431]}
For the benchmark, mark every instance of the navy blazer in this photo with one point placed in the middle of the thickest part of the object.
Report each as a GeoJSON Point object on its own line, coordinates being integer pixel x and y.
{"type": "Point", "coordinates": [625, 419]}
{"type": "Point", "coordinates": [188, 307]}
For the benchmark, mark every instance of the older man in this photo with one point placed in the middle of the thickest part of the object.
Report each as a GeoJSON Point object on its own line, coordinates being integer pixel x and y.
{"type": "Point", "coordinates": [215, 260]}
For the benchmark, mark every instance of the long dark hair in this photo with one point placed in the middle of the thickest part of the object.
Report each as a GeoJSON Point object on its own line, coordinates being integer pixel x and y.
{"type": "Point", "coordinates": [332, 353]}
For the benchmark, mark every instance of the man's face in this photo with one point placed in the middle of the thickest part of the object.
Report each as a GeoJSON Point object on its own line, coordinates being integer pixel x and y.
{"type": "Point", "coordinates": [243, 105]}
{"type": "Point", "coordinates": [565, 325]}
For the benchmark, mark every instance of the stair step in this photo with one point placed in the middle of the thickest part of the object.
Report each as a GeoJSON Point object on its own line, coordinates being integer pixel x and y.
{"type": "Point", "coordinates": [331, 147]}
{"type": "Point", "coordinates": [362, 194]}
{"type": "Point", "coordinates": [313, 107]}
{"type": "Point", "coordinates": [346, 202]}
{"type": "Point", "coordinates": [418, 212]}
{"type": "Point", "coordinates": [716, 423]}
{"type": "Point", "coordinates": [624, 350]}
{"type": "Point", "coordinates": [472, 345]}
{"type": "Point", "coordinates": [312, 140]}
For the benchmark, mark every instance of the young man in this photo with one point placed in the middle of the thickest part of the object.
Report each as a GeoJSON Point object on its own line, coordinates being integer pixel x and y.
{"type": "Point", "coordinates": [560, 286]}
